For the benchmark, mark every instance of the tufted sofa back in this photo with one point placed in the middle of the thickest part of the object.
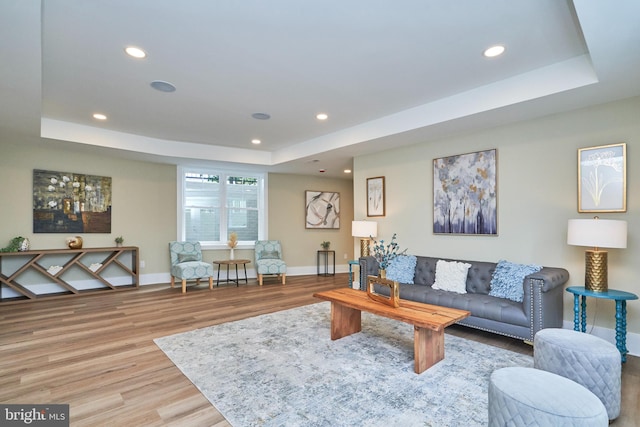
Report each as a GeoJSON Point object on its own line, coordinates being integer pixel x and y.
{"type": "Point", "coordinates": [478, 278]}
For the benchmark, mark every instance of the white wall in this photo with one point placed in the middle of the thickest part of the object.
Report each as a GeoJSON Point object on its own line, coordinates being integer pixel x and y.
{"type": "Point", "coordinates": [537, 194]}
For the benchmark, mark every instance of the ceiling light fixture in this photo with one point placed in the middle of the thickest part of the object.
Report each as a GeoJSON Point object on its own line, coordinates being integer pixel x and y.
{"type": "Point", "coordinates": [135, 52]}
{"type": "Point", "coordinates": [322, 116]}
{"type": "Point", "coordinates": [255, 141]}
{"type": "Point", "coordinates": [261, 116]}
{"type": "Point", "coordinates": [99, 116]}
{"type": "Point", "coordinates": [163, 86]}
{"type": "Point", "coordinates": [347, 171]}
{"type": "Point", "coordinates": [494, 51]}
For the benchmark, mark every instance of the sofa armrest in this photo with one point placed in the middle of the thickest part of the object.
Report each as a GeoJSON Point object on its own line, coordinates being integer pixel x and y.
{"type": "Point", "coordinates": [551, 278]}
{"type": "Point", "coordinates": [368, 267]}
{"type": "Point", "coordinates": [543, 302]}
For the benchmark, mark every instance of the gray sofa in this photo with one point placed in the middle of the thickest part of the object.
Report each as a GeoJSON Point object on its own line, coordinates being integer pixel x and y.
{"type": "Point", "coordinates": [541, 306]}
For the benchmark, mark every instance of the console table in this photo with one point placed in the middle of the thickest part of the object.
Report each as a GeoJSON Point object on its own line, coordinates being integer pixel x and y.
{"type": "Point", "coordinates": [580, 294]}
{"type": "Point", "coordinates": [68, 272]}
{"type": "Point", "coordinates": [229, 262]}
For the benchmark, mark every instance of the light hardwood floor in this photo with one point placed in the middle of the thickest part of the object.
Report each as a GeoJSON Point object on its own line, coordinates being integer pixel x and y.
{"type": "Point", "coordinates": [96, 352]}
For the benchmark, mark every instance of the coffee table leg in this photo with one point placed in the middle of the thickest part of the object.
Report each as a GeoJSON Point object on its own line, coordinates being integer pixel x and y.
{"type": "Point", "coordinates": [344, 321]}
{"type": "Point", "coordinates": [428, 348]}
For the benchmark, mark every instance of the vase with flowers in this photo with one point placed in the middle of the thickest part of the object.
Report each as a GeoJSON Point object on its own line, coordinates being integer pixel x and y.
{"type": "Point", "coordinates": [232, 243]}
{"type": "Point", "coordinates": [384, 254]}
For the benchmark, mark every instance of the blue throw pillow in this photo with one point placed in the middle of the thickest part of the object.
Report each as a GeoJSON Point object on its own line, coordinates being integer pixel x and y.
{"type": "Point", "coordinates": [507, 279]}
{"type": "Point", "coordinates": [402, 269]}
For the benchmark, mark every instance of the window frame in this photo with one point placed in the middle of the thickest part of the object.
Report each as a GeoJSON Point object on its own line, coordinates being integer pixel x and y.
{"type": "Point", "coordinates": [224, 174]}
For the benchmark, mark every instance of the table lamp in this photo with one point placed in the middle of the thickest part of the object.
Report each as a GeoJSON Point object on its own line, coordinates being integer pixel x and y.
{"type": "Point", "coordinates": [365, 230]}
{"type": "Point", "coordinates": [597, 233]}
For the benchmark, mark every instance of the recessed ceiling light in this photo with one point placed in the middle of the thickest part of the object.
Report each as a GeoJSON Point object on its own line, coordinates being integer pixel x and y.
{"type": "Point", "coordinates": [163, 86]}
{"type": "Point", "coordinates": [255, 141]}
{"type": "Point", "coordinates": [494, 51]}
{"type": "Point", "coordinates": [135, 52]}
{"type": "Point", "coordinates": [322, 116]}
{"type": "Point", "coordinates": [99, 116]}
{"type": "Point", "coordinates": [347, 171]}
{"type": "Point", "coordinates": [261, 116]}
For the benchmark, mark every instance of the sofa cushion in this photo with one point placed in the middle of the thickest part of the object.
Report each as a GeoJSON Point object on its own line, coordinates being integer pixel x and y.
{"type": "Point", "coordinates": [402, 269]}
{"type": "Point", "coordinates": [451, 276]}
{"type": "Point", "coordinates": [508, 277]}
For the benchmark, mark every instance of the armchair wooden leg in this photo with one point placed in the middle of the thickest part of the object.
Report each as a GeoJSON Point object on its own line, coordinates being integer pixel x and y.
{"type": "Point", "coordinates": [260, 279]}
{"type": "Point", "coordinates": [211, 283]}
{"type": "Point", "coordinates": [184, 286]}
{"type": "Point", "coordinates": [284, 277]}
{"type": "Point", "coordinates": [173, 281]}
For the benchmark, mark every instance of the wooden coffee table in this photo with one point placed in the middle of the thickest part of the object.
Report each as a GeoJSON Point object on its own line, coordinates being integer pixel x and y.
{"type": "Point", "coordinates": [428, 321]}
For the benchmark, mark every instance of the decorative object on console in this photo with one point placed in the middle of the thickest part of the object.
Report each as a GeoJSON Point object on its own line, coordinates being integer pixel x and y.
{"type": "Point", "coordinates": [602, 178]}
{"type": "Point", "coordinates": [119, 240]}
{"type": "Point", "coordinates": [375, 196]}
{"type": "Point", "coordinates": [17, 244]}
{"type": "Point", "coordinates": [74, 242]}
{"type": "Point", "coordinates": [65, 202]}
{"type": "Point", "coordinates": [366, 230]}
{"type": "Point", "coordinates": [384, 254]}
{"type": "Point", "coordinates": [597, 233]}
{"type": "Point", "coordinates": [394, 291]}
{"type": "Point", "coordinates": [506, 281]}
{"type": "Point", "coordinates": [325, 245]}
{"type": "Point", "coordinates": [467, 181]}
{"type": "Point", "coordinates": [232, 243]}
{"type": "Point", "coordinates": [451, 276]}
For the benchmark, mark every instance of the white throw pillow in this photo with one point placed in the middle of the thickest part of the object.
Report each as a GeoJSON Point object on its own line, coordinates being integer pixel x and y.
{"type": "Point", "coordinates": [451, 276]}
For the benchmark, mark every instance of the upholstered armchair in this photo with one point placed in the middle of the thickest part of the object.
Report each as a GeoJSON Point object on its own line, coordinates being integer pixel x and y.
{"type": "Point", "coordinates": [187, 264]}
{"type": "Point", "coordinates": [269, 259]}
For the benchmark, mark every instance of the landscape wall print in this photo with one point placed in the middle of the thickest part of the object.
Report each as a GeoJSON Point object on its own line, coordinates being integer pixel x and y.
{"type": "Point", "coordinates": [67, 202]}
{"type": "Point", "coordinates": [322, 209]}
{"type": "Point", "coordinates": [464, 194]}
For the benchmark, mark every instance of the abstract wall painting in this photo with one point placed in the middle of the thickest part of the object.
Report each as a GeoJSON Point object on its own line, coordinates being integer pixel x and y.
{"type": "Point", "coordinates": [322, 209]}
{"type": "Point", "coordinates": [375, 196]}
{"type": "Point", "coordinates": [67, 202]}
{"type": "Point", "coordinates": [465, 194]}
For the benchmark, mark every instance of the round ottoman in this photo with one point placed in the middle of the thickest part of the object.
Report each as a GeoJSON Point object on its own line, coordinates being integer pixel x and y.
{"type": "Point", "coordinates": [531, 397]}
{"type": "Point", "coordinates": [583, 358]}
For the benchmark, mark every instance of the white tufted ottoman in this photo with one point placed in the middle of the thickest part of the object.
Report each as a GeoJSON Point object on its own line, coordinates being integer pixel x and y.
{"type": "Point", "coordinates": [583, 358]}
{"type": "Point", "coordinates": [531, 397]}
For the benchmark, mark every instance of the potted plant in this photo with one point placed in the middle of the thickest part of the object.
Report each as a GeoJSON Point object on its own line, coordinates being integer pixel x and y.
{"type": "Point", "coordinates": [119, 241]}
{"type": "Point", "coordinates": [325, 245]}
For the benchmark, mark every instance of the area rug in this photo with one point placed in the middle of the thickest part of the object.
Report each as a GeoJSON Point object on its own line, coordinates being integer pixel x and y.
{"type": "Point", "coordinates": [282, 369]}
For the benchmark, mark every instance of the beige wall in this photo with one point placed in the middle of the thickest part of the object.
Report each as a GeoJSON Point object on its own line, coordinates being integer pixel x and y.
{"type": "Point", "coordinates": [537, 194]}
{"type": "Point", "coordinates": [144, 206]}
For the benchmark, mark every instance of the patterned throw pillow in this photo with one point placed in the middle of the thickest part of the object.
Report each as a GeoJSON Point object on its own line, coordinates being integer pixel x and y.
{"type": "Point", "coordinates": [507, 279]}
{"type": "Point", "coordinates": [269, 255]}
{"type": "Point", "coordinates": [187, 257]}
{"type": "Point", "coordinates": [451, 276]}
{"type": "Point", "coordinates": [402, 269]}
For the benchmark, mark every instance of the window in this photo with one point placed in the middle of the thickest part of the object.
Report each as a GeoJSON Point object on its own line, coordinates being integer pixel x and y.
{"type": "Point", "coordinates": [212, 204]}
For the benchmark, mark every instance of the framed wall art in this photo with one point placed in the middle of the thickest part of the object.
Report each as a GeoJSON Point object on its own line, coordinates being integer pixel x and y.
{"type": "Point", "coordinates": [602, 178]}
{"type": "Point", "coordinates": [465, 194]}
{"type": "Point", "coordinates": [375, 196]}
{"type": "Point", "coordinates": [322, 209]}
{"type": "Point", "coordinates": [67, 202]}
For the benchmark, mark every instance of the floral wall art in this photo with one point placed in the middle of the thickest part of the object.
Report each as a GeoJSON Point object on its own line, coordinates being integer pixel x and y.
{"type": "Point", "coordinates": [602, 178]}
{"type": "Point", "coordinates": [464, 194]}
{"type": "Point", "coordinates": [67, 202]}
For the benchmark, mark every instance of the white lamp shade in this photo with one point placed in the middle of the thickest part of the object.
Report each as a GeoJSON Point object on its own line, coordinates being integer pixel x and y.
{"type": "Point", "coordinates": [597, 233]}
{"type": "Point", "coordinates": [364, 228]}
